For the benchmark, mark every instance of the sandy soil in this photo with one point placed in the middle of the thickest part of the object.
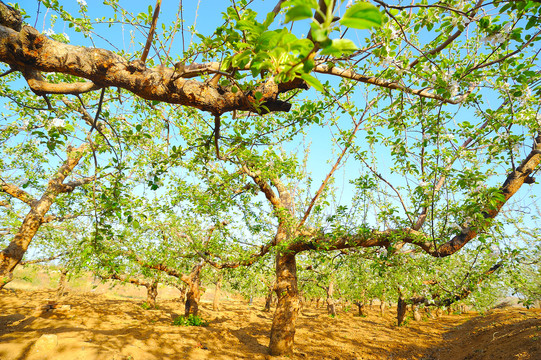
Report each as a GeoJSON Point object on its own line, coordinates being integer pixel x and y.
{"type": "Point", "coordinates": [103, 326]}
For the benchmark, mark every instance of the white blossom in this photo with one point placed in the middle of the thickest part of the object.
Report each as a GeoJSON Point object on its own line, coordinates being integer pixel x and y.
{"type": "Point", "coordinates": [49, 32]}
{"type": "Point", "coordinates": [82, 2]}
{"type": "Point", "coordinates": [26, 122]}
{"type": "Point", "coordinates": [455, 226]}
{"type": "Point", "coordinates": [448, 136]}
{"type": "Point", "coordinates": [495, 250]}
{"type": "Point", "coordinates": [349, 4]}
{"type": "Point", "coordinates": [58, 122]}
{"type": "Point", "coordinates": [66, 37]}
{"type": "Point", "coordinates": [494, 39]}
{"type": "Point", "coordinates": [456, 21]}
{"type": "Point", "coordinates": [427, 136]}
{"type": "Point", "coordinates": [394, 32]}
{"type": "Point", "coordinates": [453, 88]}
{"type": "Point", "coordinates": [423, 184]}
{"type": "Point", "coordinates": [428, 67]}
{"type": "Point", "coordinates": [526, 94]}
{"type": "Point", "coordinates": [388, 61]}
{"type": "Point", "coordinates": [538, 118]}
{"type": "Point", "coordinates": [447, 76]}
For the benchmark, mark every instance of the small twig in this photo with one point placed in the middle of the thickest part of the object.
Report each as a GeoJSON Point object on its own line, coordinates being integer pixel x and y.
{"type": "Point", "coordinates": [151, 32]}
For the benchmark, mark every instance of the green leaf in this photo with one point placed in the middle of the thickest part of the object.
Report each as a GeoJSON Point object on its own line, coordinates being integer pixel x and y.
{"type": "Point", "coordinates": [318, 34]}
{"type": "Point", "coordinates": [338, 47]}
{"type": "Point", "coordinates": [362, 16]}
{"type": "Point", "coordinates": [298, 12]}
{"type": "Point", "coordinates": [312, 81]}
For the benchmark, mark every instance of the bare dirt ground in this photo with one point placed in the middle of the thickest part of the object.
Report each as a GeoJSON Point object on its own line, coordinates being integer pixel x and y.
{"type": "Point", "coordinates": [94, 325]}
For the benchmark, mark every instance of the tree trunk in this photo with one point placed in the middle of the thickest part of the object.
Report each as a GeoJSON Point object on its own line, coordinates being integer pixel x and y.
{"type": "Point", "coordinates": [182, 288]}
{"type": "Point", "coordinates": [331, 307]}
{"type": "Point", "coordinates": [216, 302]}
{"type": "Point", "coordinates": [360, 305]}
{"type": "Point", "coordinates": [401, 309]}
{"type": "Point", "coordinates": [14, 252]}
{"type": "Point", "coordinates": [192, 305]}
{"type": "Point", "coordinates": [268, 300]}
{"type": "Point", "coordinates": [60, 291]}
{"type": "Point", "coordinates": [287, 310]}
{"type": "Point", "coordinates": [152, 293]}
{"type": "Point", "coordinates": [194, 292]}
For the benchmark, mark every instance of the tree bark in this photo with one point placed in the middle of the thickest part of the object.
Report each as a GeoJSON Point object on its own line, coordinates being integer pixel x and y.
{"type": "Point", "coordinates": [287, 310]}
{"type": "Point", "coordinates": [360, 305]}
{"type": "Point", "coordinates": [26, 50]}
{"type": "Point", "coordinates": [401, 309]}
{"type": "Point", "coordinates": [194, 292]}
{"type": "Point", "coordinates": [14, 252]}
{"type": "Point", "coordinates": [60, 291]}
{"type": "Point", "coordinates": [331, 307]}
{"type": "Point", "coordinates": [152, 293]}
{"type": "Point", "coordinates": [268, 300]}
{"type": "Point", "coordinates": [216, 302]}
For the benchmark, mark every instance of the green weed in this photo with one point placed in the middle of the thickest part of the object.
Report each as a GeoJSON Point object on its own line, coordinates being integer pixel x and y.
{"type": "Point", "coordinates": [191, 320]}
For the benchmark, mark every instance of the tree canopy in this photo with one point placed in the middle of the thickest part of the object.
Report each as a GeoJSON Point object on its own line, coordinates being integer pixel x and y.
{"type": "Point", "coordinates": [172, 141]}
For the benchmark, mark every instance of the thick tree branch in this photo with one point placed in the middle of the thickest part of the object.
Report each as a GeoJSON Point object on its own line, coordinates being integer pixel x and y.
{"type": "Point", "coordinates": [41, 87]}
{"type": "Point", "coordinates": [512, 184]}
{"type": "Point", "coordinates": [28, 50]}
{"type": "Point", "coordinates": [70, 186]}
{"type": "Point", "coordinates": [14, 252]}
{"type": "Point", "coordinates": [126, 279]}
{"type": "Point", "coordinates": [17, 193]}
{"type": "Point", "coordinates": [51, 218]}
{"type": "Point", "coordinates": [264, 187]}
{"type": "Point", "coordinates": [371, 238]}
{"type": "Point", "coordinates": [463, 293]}
{"type": "Point", "coordinates": [235, 264]}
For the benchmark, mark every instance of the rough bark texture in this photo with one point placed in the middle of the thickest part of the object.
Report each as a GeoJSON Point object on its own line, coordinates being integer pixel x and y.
{"type": "Point", "coordinates": [61, 290]}
{"type": "Point", "coordinates": [216, 301]}
{"type": "Point", "coordinates": [192, 305]}
{"type": "Point", "coordinates": [268, 301]}
{"type": "Point", "coordinates": [14, 252]}
{"type": "Point", "coordinates": [26, 50]}
{"type": "Point", "coordinates": [331, 307]}
{"type": "Point", "coordinates": [287, 309]}
{"type": "Point", "coordinates": [360, 306]}
{"type": "Point", "coordinates": [401, 309]}
{"type": "Point", "coordinates": [194, 292]}
{"type": "Point", "coordinates": [152, 293]}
